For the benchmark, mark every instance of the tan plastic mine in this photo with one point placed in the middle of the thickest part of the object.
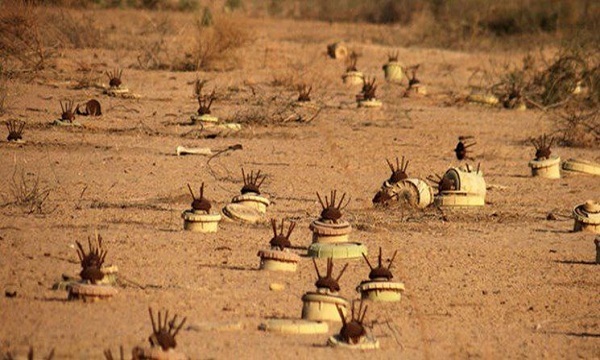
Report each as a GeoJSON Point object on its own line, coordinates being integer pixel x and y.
{"type": "Point", "coordinates": [393, 72]}
{"type": "Point", "coordinates": [548, 168]}
{"type": "Point", "coordinates": [328, 233]}
{"type": "Point", "coordinates": [372, 103]}
{"type": "Point", "coordinates": [322, 306]}
{"type": "Point", "coordinates": [295, 326]}
{"type": "Point", "coordinates": [157, 353]}
{"type": "Point", "coordinates": [587, 217]}
{"type": "Point", "coordinates": [337, 50]}
{"type": "Point", "coordinates": [252, 200]}
{"type": "Point", "coordinates": [349, 250]}
{"type": "Point", "coordinates": [420, 191]}
{"type": "Point", "coordinates": [469, 182]}
{"type": "Point", "coordinates": [482, 97]}
{"type": "Point", "coordinates": [200, 222]}
{"type": "Point", "coordinates": [353, 78]}
{"type": "Point", "coordinates": [458, 198]}
{"type": "Point", "coordinates": [206, 118]}
{"type": "Point", "coordinates": [278, 260]}
{"type": "Point", "coordinates": [117, 91]}
{"type": "Point", "coordinates": [366, 343]}
{"type": "Point", "coordinates": [90, 292]}
{"type": "Point", "coordinates": [583, 166]}
{"type": "Point", "coordinates": [239, 212]}
{"type": "Point", "coordinates": [470, 189]}
{"type": "Point", "coordinates": [381, 290]}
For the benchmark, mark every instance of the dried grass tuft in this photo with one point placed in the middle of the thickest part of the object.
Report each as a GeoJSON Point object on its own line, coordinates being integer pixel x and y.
{"type": "Point", "coordinates": [27, 192]}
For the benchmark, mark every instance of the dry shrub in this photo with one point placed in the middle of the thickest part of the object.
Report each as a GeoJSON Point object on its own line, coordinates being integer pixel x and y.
{"type": "Point", "coordinates": [3, 91]}
{"type": "Point", "coordinates": [155, 53]}
{"type": "Point", "coordinates": [216, 45]}
{"type": "Point", "coordinates": [580, 128]}
{"type": "Point", "coordinates": [78, 30]}
{"type": "Point", "coordinates": [21, 41]}
{"type": "Point", "coordinates": [213, 46]}
{"type": "Point", "coordinates": [571, 79]}
{"type": "Point", "coordinates": [26, 192]}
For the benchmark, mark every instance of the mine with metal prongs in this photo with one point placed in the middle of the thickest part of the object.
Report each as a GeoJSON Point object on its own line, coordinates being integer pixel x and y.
{"type": "Point", "coordinates": [200, 203]}
{"type": "Point", "coordinates": [354, 330]}
{"type": "Point", "coordinates": [205, 102]}
{"type": "Point", "coordinates": [15, 130]}
{"type": "Point", "coordinates": [461, 149]}
{"type": "Point", "coordinates": [252, 183]}
{"type": "Point", "coordinates": [114, 77]}
{"type": "Point", "coordinates": [380, 272]}
{"type": "Point", "coordinates": [279, 240]}
{"type": "Point", "coordinates": [304, 93]}
{"type": "Point", "coordinates": [67, 111]}
{"type": "Point", "coordinates": [328, 282]}
{"type": "Point", "coordinates": [413, 81]}
{"type": "Point", "coordinates": [91, 263]}
{"type": "Point", "coordinates": [331, 211]}
{"type": "Point", "coordinates": [30, 355]}
{"type": "Point", "coordinates": [368, 89]}
{"type": "Point", "coordinates": [109, 356]}
{"type": "Point", "coordinates": [351, 62]}
{"type": "Point", "coordinates": [443, 183]}
{"type": "Point", "coordinates": [165, 331]}
{"type": "Point", "coordinates": [399, 172]}
{"type": "Point", "coordinates": [393, 56]}
{"type": "Point", "coordinates": [542, 147]}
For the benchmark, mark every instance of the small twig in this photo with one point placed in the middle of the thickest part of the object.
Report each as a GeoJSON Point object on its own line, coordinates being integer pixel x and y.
{"type": "Point", "coordinates": [230, 148]}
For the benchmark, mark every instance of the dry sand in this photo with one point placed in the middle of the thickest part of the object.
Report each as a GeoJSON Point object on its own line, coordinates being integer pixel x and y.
{"type": "Point", "coordinates": [493, 282]}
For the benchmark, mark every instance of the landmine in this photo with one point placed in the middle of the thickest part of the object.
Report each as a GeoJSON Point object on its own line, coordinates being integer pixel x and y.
{"type": "Point", "coordinates": [337, 50]}
{"type": "Point", "coordinates": [15, 131]}
{"type": "Point", "coordinates": [353, 334]}
{"type": "Point", "coordinates": [393, 71]}
{"type": "Point", "coordinates": [399, 187]}
{"type": "Point", "coordinates": [323, 304]}
{"type": "Point", "coordinates": [414, 84]}
{"type": "Point", "coordinates": [480, 96]}
{"type": "Point", "coordinates": [162, 341]}
{"type": "Point", "coordinates": [203, 115]}
{"type": "Point", "coordinates": [250, 206]}
{"type": "Point", "coordinates": [416, 192]}
{"type": "Point", "coordinates": [331, 233]}
{"type": "Point", "coordinates": [278, 257]}
{"type": "Point", "coordinates": [198, 218]}
{"type": "Point", "coordinates": [91, 287]}
{"type": "Point", "coordinates": [367, 97]}
{"type": "Point", "coordinates": [587, 217]}
{"type": "Point", "coordinates": [295, 326]}
{"type": "Point", "coordinates": [544, 164]}
{"type": "Point", "coordinates": [461, 186]}
{"type": "Point", "coordinates": [353, 76]}
{"type": "Point", "coordinates": [379, 287]}
{"type": "Point", "coordinates": [582, 166]}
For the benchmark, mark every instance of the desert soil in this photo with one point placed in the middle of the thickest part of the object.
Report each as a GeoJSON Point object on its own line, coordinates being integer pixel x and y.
{"type": "Point", "coordinates": [498, 281]}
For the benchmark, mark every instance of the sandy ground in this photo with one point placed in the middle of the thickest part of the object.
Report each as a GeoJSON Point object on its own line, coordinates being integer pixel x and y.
{"type": "Point", "coordinates": [493, 282]}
